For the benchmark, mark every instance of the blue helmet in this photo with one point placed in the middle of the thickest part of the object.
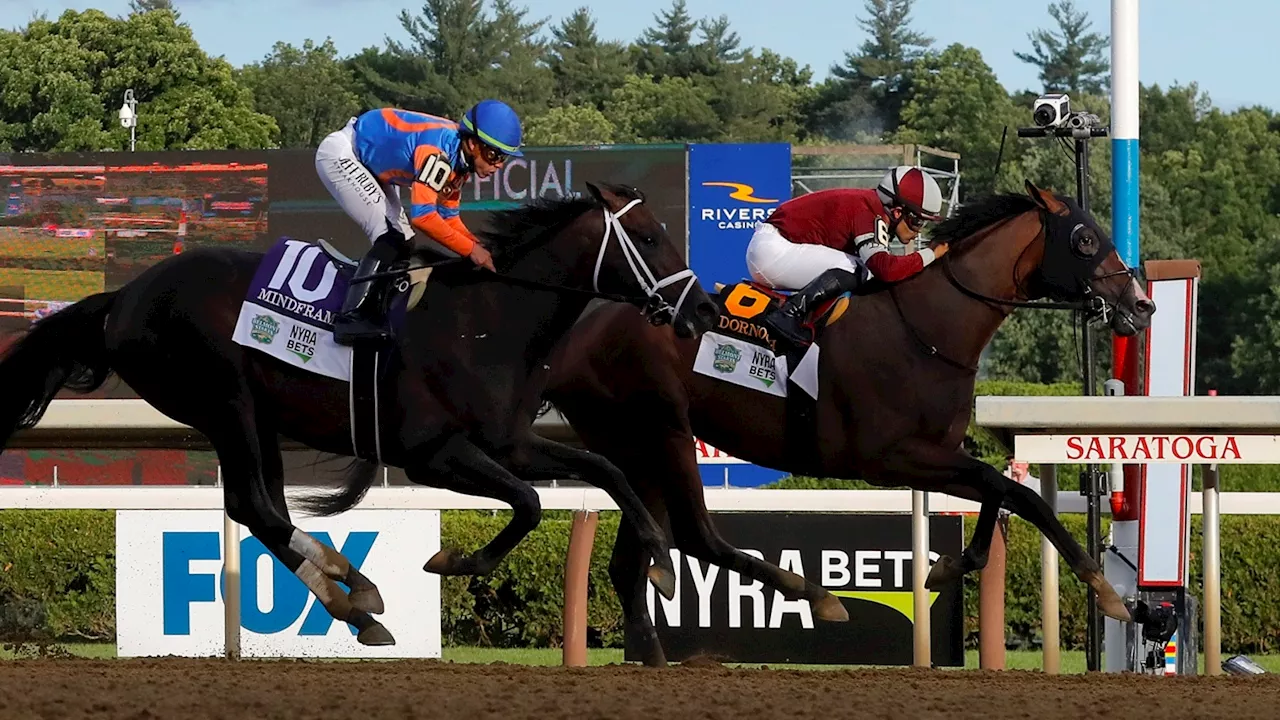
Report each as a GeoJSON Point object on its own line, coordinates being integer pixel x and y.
{"type": "Point", "coordinates": [496, 124]}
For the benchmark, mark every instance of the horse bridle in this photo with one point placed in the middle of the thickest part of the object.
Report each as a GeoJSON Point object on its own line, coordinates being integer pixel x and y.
{"type": "Point", "coordinates": [1093, 306]}
{"type": "Point", "coordinates": [656, 309]}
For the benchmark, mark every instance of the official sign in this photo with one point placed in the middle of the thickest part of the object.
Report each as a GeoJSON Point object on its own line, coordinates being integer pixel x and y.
{"type": "Point", "coordinates": [1175, 449]}
{"type": "Point", "coordinates": [864, 559]}
{"type": "Point", "coordinates": [169, 586]}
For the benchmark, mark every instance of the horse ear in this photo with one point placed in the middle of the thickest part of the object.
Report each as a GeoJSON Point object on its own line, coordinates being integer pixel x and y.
{"type": "Point", "coordinates": [596, 193]}
{"type": "Point", "coordinates": [1046, 199]}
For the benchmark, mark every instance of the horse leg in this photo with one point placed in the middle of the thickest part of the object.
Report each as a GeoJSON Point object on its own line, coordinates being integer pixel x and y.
{"type": "Point", "coordinates": [926, 466]}
{"type": "Point", "coordinates": [1026, 503]}
{"type": "Point", "coordinates": [627, 571]}
{"type": "Point", "coordinates": [695, 533]}
{"type": "Point", "coordinates": [249, 503]}
{"type": "Point", "coordinates": [551, 460]}
{"type": "Point", "coordinates": [363, 593]}
{"type": "Point", "coordinates": [462, 467]}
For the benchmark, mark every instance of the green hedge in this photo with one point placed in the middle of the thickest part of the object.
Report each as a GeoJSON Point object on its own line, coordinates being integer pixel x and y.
{"type": "Point", "coordinates": [57, 580]}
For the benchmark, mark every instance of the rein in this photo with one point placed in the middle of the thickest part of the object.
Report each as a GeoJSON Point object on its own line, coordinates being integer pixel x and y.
{"type": "Point", "coordinates": [1092, 305]}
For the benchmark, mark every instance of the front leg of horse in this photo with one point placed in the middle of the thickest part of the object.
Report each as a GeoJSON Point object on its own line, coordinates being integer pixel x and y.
{"type": "Point", "coordinates": [547, 460]}
{"type": "Point", "coordinates": [462, 467]}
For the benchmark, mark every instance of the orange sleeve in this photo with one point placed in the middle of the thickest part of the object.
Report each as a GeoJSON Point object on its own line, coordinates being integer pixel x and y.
{"type": "Point", "coordinates": [427, 210]}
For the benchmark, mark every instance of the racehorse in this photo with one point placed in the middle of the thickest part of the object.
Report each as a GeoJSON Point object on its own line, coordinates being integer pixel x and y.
{"type": "Point", "coordinates": [896, 377]}
{"type": "Point", "coordinates": [463, 378]}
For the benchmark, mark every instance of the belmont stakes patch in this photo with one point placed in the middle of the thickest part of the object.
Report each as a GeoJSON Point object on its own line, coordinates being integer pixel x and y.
{"type": "Point", "coordinates": [288, 311]}
{"type": "Point", "coordinates": [741, 363]}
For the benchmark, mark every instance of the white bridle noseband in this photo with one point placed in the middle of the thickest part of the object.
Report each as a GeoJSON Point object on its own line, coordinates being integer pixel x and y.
{"type": "Point", "coordinates": [643, 275]}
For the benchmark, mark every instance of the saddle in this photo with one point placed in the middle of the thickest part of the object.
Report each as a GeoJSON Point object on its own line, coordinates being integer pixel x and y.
{"type": "Point", "coordinates": [745, 302]}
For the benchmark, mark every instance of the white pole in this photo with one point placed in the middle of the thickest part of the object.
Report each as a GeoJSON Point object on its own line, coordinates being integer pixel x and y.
{"type": "Point", "coordinates": [1212, 574]}
{"type": "Point", "coordinates": [231, 596]}
{"type": "Point", "coordinates": [920, 633]}
{"type": "Point", "coordinates": [1049, 613]}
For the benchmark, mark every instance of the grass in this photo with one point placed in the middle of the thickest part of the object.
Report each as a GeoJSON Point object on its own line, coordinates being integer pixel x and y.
{"type": "Point", "coordinates": [53, 284]}
{"type": "Point", "coordinates": [1073, 661]}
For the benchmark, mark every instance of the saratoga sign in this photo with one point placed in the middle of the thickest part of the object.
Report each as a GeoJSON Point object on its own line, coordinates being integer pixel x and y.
{"type": "Point", "coordinates": [1175, 449]}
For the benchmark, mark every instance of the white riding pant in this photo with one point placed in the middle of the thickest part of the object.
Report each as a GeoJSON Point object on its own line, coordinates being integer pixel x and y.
{"type": "Point", "coordinates": [366, 200]}
{"type": "Point", "coordinates": [784, 265]}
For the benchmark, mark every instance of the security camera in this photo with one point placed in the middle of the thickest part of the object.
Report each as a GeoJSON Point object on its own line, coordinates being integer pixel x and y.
{"type": "Point", "coordinates": [1051, 110]}
{"type": "Point", "coordinates": [127, 118]}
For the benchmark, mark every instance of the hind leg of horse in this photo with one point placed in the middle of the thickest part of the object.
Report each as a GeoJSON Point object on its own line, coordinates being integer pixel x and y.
{"type": "Point", "coordinates": [248, 502]}
{"type": "Point", "coordinates": [627, 570]}
{"type": "Point", "coordinates": [551, 460]}
{"type": "Point", "coordinates": [695, 533]}
{"type": "Point", "coordinates": [462, 467]}
{"type": "Point", "coordinates": [363, 594]}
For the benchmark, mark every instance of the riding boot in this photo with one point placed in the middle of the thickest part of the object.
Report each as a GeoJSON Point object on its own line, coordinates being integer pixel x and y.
{"type": "Point", "coordinates": [786, 321]}
{"type": "Point", "coordinates": [363, 316]}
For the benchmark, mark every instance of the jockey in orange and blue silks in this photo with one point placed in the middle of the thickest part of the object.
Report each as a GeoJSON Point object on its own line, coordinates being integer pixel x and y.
{"type": "Point", "coordinates": [434, 156]}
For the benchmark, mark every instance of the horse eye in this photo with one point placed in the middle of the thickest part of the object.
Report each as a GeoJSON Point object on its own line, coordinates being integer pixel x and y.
{"type": "Point", "coordinates": [1085, 241]}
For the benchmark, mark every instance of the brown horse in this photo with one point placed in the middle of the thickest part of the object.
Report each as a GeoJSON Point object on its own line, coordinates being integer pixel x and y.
{"type": "Point", "coordinates": [896, 377]}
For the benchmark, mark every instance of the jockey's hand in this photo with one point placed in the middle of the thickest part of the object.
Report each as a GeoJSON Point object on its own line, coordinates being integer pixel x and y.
{"type": "Point", "coordinates": [481, 257]}
{"type": "Point", "coordinates": [938, 250]}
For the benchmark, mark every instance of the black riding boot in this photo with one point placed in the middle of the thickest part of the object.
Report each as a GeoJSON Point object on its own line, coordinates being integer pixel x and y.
{"type": "Point", "coordinates": [362, 317]}
{"type": "Point", "coordinates": [787, 319]}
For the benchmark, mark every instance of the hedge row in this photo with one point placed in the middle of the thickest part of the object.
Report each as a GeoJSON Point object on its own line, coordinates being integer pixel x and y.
{"type": "Point", "coordinates": [57, 572]}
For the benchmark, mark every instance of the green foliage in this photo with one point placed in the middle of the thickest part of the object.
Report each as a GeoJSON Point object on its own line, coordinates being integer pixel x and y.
{"type": "Point", "coordinates": [63, 82]}
{"type": "Point", "coordinates": [1072, 59]}
{"type": "Point", "coordinates": [57, 574]}
{"type": "Point", "coordinates": [307, 90]}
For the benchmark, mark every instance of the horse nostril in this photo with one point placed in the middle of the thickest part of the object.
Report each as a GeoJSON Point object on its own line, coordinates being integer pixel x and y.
{"type": "Point", "coordinates": [1146, 307]}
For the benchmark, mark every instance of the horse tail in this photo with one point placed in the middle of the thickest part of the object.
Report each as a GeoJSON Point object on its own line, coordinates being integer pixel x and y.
{"type": "Point", "coordinates": [66, 349]}
{"type": "Point", "coordinates": [355, 484]}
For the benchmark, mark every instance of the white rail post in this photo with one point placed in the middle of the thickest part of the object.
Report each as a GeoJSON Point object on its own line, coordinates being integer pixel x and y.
{"type": "Point", "coordinates": [1212, 573]}
{"type": "Point", "coordinates": [920, 633]}
{"type": "Point", "coordinates": [1049, 614]}
{"type": "Point", "coordinates": [231, 593]}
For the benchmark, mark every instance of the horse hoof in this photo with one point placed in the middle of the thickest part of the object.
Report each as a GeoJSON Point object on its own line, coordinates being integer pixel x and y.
{"type": "Point", "coordinates": [829, 608]}
{"type": "Point", "coordinates": [1109, 601]}
{"type": "Point", "coordinates": [368, 600]}
{"type": "Point", "coordinates": [446, 562]}
{"type": "Point", "coordinates": [945, 571]}
{"type": "Point", "coordinates": [663, 580]}
{"type": "Point", "coordinates": [376, 635]}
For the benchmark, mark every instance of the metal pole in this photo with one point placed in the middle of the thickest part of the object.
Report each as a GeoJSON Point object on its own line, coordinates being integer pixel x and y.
{"type": "Point", "coordinates": [1049, 576]}
{"type": "Point", "coordinates": [1212, 573]}
{"type": "Point", "coordinates": [577, 569]}
{"type": "Point", "coordinates": [991, 579]}
{"type": "Point", "coordinates": [231, 591]}
{"type": "Point", "coordinates": [919, 572]}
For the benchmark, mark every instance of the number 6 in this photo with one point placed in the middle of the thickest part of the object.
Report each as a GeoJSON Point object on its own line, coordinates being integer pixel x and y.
{"type": "Point", "coordinates": [435, 172]}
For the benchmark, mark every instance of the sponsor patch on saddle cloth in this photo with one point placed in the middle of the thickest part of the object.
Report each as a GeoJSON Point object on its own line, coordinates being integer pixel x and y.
{"type": "Point", "coordinates": [753, 366]}
{"type": "Point", "coordinates": [288, 311]}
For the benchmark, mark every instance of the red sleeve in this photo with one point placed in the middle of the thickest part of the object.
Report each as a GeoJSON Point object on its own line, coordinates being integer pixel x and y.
{"type": "Point", "coordinates": [892, 268]}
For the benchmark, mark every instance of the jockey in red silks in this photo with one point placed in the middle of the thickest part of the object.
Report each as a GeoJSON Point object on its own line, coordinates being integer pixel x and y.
{"type": "Point", "coordinates": [827, 242]}
{"type": "Point", "coordinates": [363, 162]}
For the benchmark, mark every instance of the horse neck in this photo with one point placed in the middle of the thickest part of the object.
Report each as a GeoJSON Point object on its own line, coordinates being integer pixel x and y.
{"type": "Point", "coordinates": [989, 267]}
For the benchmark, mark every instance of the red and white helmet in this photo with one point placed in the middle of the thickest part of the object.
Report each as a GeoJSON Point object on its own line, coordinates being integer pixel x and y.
{"type": "Point", "coordinates": [913, 190]}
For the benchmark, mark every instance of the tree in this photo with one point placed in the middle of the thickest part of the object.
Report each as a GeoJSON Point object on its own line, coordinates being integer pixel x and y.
{"type": "Point", "coordinates": [667, 48]}
{"type": "Point", "coordinates": [1073, 59]}
{"type": "Point", "coordinates": [142, 6]}
{"type": "Point", "coordinates": [570, 125]}
{"type": "Point", "coordinates": [880, 70]}
{"type": "Point", "coordinates": [586, 70]}
{"type": "Point", "coordinates": [65, 80]}
{"type": "Point", "coordinates": [306, 90]}
{"type": "Point", "coordinates": [670, 109]}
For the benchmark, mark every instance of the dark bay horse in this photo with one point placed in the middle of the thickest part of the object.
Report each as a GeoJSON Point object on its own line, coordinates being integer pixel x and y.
{"type": "Point", "coordinates": [464, 378]}
{"type": "Point", "coordinates": [896, 379]}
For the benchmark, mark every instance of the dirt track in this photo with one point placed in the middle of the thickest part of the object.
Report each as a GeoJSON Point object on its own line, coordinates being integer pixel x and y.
{"type": "Point", "coordinates": [192, 689]}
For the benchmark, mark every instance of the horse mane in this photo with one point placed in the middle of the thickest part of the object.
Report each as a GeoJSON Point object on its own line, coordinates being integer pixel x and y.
{"type": "Point", "coordinates": [515, 231]}
{"type": "Point", "coordinates": [973, 217]}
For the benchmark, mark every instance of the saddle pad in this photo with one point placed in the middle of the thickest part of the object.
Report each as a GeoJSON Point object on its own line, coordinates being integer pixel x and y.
{"type": "Point", "coordinates": [288, 311]}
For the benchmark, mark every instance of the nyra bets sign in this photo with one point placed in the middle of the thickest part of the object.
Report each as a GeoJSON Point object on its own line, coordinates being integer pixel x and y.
{"type": "Point", "coordinates": [863, 559]}
{"type": "Point", "coordinates": [169, 586]}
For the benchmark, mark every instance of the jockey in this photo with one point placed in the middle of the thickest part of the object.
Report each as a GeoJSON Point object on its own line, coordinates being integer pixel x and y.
{"type": "Point", "coordinates": [363, 163]}
{"type": "Point", "coordinates": [828, 242]}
